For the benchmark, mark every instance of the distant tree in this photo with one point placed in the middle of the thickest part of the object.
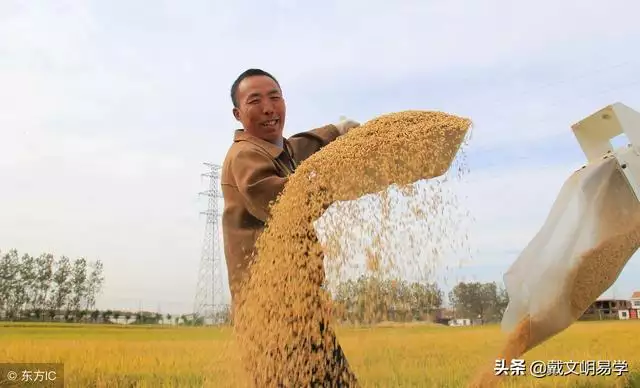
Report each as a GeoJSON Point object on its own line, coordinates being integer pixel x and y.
{"type": "Point", "coordinates": [95, 282]}
{"type": "Point", "coordinates": [78, 284]}
{"type": "Point", "coordinates": [62, 283]}
{"type": "Point", "coordinates": [423, 299]}
{"type": "Point", "coordinates": [502, 302]}
{"type": "Point", "coordinates": [9, 283]}
{"type": "Point", "coordinates": [44, 276]}
{"type": "Point", "coordinates": [27, 281]}
{"type": "Point", "coordinates": [478, 300]}
{"type": "Point", "coordinates": [196, 321]}
{"type": "Point", "coordinates": [224, 315]}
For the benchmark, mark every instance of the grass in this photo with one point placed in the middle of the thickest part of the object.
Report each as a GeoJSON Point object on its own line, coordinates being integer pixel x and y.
{"type": "Point", "coordinates": [400, 356]}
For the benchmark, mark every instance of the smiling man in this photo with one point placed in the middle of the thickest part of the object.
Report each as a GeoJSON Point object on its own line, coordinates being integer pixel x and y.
{"type": "Point", "coordinates": [258, 163]}
{"type": "Point", "coordinates": [255, 171]}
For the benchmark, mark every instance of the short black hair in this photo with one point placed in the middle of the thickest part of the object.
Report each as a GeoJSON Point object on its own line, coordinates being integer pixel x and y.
{"type": "Point", "coordinates": [246, 74]}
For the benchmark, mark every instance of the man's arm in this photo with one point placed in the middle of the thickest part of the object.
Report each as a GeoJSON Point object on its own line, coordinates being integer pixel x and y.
{"type": "Point", "coordinates": [307, 143]}
{"type": "Point", "coordinates": [257, 180]}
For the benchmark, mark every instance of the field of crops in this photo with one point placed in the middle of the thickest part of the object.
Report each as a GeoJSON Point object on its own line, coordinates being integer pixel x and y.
{"type": "Point", "coordinates": [391, 356]}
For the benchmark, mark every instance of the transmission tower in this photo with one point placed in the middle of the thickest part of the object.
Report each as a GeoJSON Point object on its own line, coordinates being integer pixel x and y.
{"type": "Point", "coordinates": [208, 301]}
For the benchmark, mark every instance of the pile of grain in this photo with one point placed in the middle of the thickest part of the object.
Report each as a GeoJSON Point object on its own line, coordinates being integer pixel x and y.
{"type": "Point", "coordinates": [283, 305]}
{"type": "Point", "coordinates": [617, 239]}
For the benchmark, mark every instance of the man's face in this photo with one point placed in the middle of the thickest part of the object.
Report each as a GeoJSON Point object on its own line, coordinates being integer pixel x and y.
{"type": "Point", "coordinates": [261, 108]}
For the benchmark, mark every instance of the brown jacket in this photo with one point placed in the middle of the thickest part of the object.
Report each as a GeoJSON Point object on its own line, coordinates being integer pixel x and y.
{"type": "Point", "coordinates": [254, 172]}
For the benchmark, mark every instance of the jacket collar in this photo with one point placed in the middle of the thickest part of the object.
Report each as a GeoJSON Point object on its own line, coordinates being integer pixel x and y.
{"type": "Point", "coordinates": [273, 150]}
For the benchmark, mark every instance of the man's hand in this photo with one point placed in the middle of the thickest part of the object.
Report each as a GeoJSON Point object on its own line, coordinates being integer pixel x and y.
{"type": "Point", "coordinates": [345, 125]}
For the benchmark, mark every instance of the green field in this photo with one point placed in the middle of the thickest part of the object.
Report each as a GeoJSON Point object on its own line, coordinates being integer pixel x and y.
{"type": "Point", "coordinates": [391, 356]}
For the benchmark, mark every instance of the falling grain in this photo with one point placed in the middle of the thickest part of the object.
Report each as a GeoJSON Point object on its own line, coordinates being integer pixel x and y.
{"type": "Point", "coordinates": [283, 306]}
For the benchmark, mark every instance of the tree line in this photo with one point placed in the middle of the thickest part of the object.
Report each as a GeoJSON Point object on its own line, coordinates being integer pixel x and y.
{"type": "Point", "coordinates": [43, 287]}
{"type": "Point", "coordinates": [48, 288]}
{"type": "Point", "coordinates": [369, 300]}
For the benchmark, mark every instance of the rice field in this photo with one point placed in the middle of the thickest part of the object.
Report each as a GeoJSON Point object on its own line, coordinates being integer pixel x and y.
{"type": "Point", "coordinates": [382, 356]}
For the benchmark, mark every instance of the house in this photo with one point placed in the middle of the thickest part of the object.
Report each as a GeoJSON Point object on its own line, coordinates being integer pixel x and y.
{"type": "Point", "coordinates": [609, 309]}
{"type": "Point", "coordinates": [635, 305]}
{"type": "Point", "coordinates": [460, 322]}
{"type": "Point", "coordinates": [443, 316]}
{"type": "Point", "coordinates": [635, 300]}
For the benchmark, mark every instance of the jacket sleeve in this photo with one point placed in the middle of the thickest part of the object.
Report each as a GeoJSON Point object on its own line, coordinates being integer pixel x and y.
{"type": "Point", "coordinates": [258, 181]}
{"type": "Point", "coordinates": [307, 143]}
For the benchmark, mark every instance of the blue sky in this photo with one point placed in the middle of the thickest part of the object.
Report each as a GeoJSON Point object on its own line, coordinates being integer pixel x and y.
{"type": "Point", "coordinates": [109, 109]}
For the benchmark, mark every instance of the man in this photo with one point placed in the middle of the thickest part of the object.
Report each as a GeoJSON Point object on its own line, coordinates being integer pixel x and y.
{"type": "Point", "coordinates": [258, 163]}
{"type": "Point", "coordinates": [256, 168]}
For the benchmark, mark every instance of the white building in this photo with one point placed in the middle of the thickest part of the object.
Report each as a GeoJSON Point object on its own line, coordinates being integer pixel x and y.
{"type": "Point", "coordinates": [460, 322]}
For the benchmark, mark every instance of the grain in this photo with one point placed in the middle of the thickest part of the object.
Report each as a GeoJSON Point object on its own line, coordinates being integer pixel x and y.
{"type": "Point", "coordinates": [617, 239]}
{"type": "Point", "coordinates": [283, 317]}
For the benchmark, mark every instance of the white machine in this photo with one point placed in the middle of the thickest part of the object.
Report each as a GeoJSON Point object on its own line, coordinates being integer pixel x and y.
{"type": "Point", "coordinates": [589, 210]}
{"type": "Point", "coordinates": [595, 133]}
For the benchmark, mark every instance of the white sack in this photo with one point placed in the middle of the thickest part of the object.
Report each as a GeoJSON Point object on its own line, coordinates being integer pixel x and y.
{"type": "Point", "coordinates": [591, 207]}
